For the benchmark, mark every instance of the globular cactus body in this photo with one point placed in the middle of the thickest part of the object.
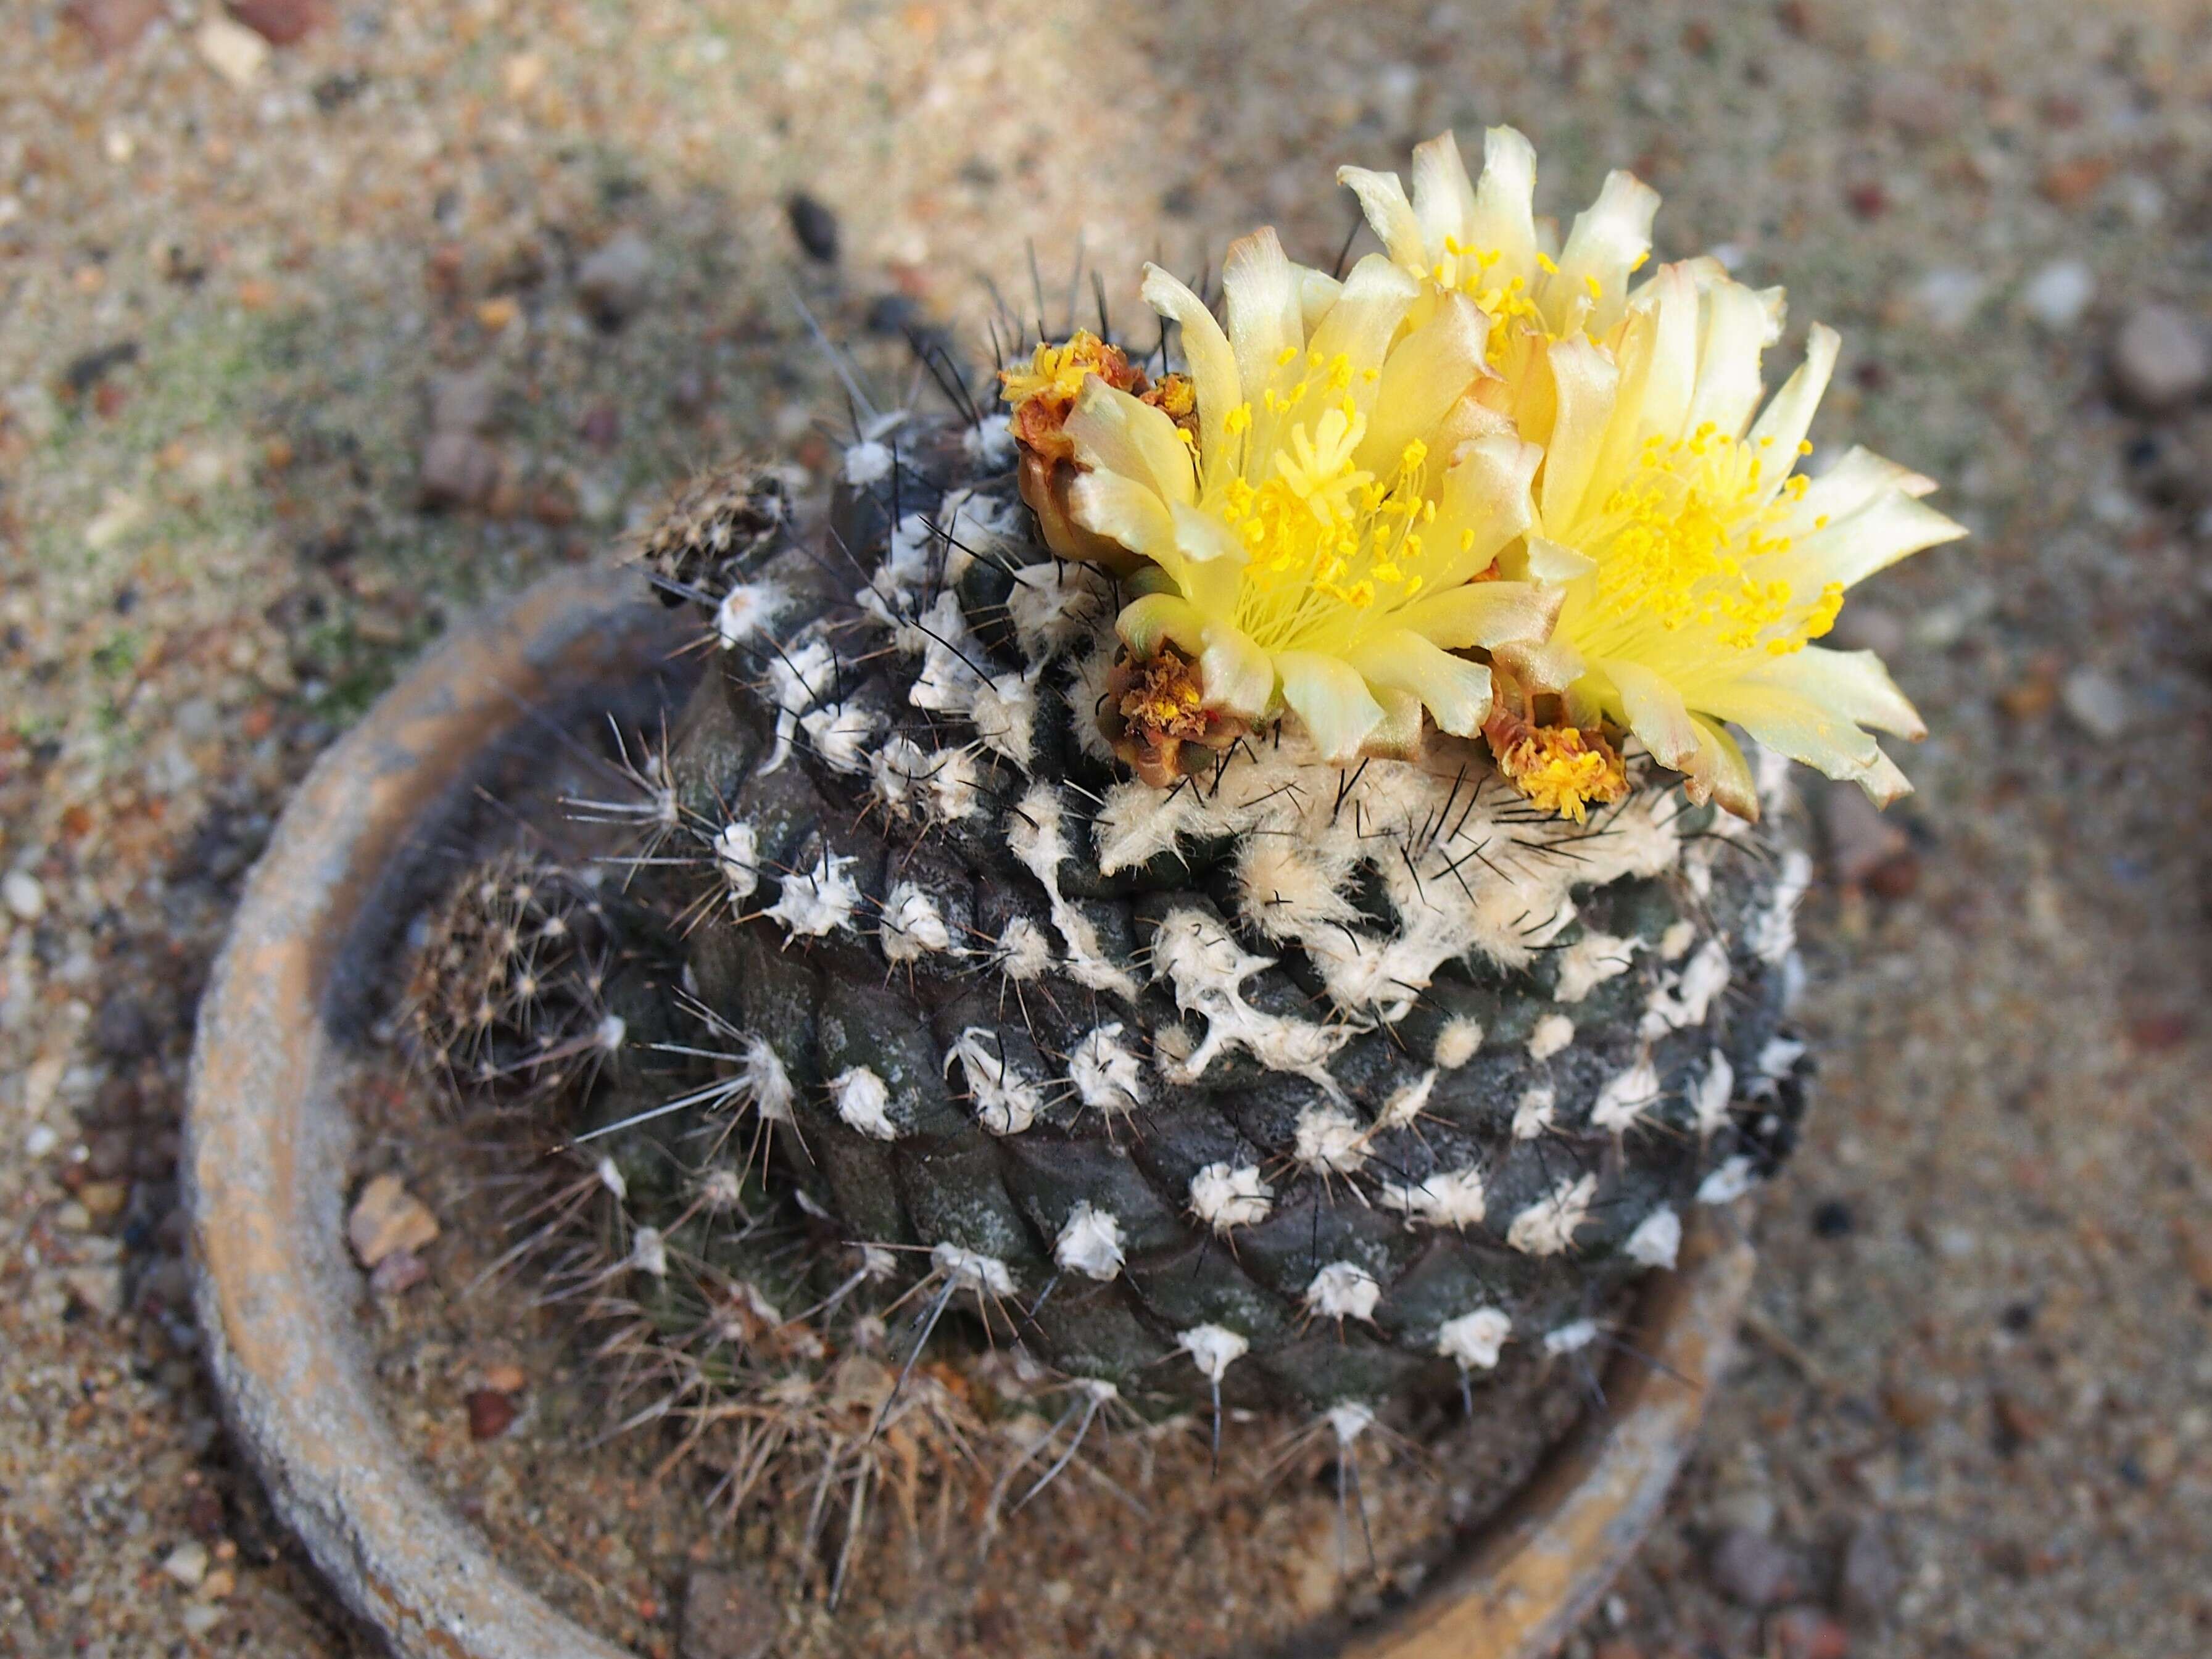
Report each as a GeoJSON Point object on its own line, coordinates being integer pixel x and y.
{"type": "Point", "coordinates": [1293, 1083]}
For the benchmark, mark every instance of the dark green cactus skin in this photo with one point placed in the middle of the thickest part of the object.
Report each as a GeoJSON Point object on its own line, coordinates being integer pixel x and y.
{"type": "Point", "coordinates": [830, 1003]}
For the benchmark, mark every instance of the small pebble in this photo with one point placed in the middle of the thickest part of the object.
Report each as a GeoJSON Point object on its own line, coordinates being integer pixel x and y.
{"type": "Point", "coordinates": [187, 1564]}
{"type": "Point", "coordinates": [1869, 1583]}
{"type": "Point", "coordinates": [2096, 701]}
{"type": "Point", "coordinates": [1754, 1571]}
{"type": "Point", "coordinates": [459, 470]}
{"type": "Point", "coordinates": [490, 1413]}
{"type": "Point", "coordinates": [26, 899]}
{"type": "Point", "coordinates": [463, 402]}
{"type": "Point", "coordinates": [111, 26]}
{"type": "Point", "coordinates": [280, 22]}
{"type": "Point", "coordinates": [387, 1217]}
{"type": "Point", "coordinates": [199, 1619]}
{"type": "Point", "coordinates": [729, 1615]}
{"type": "Point", "coordinates": [814, 225]}
{"type": "Point", "coordinates": [397, 1273]}
{"type": "Point", "coordinates": [1809, 1633]}
{"type": "Point", "coordinates": [1948, 296]}
{"type": "Point", "coordinates": [2160, 358]}
{"type": "Point", "coordinates": [2057, 295]}
{"type": "Point", "coordinates": [505, 1379]}
{"type": "Point", "coordinates": [616, 279]}
{"type": "Point", "coordinates": [231, 49]}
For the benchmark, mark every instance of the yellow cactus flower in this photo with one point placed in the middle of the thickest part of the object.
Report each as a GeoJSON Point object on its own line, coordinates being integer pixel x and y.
{"type": "Point", "coordinates": [1481, 239]}
{"type": "Point", "coordinates": [1698, 566]}
{"type": "Point", "coordinates": [1320, 545]}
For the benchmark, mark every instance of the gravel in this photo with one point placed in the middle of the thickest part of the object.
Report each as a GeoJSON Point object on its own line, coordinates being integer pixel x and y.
{"type": "Point", "coordinates": [214, 557]}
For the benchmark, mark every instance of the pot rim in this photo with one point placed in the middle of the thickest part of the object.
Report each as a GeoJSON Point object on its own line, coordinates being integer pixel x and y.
{"type": "Point", "coordinates": [264, 1178]}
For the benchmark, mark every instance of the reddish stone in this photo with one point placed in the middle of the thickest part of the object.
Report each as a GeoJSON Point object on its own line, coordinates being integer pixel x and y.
{"type": "Point", "coordinates": [490, 1413]}
{"type": "Point", "coordinates": [280, 22]}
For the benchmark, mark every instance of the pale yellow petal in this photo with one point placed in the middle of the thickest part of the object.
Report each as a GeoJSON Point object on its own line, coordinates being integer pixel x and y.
{"type": "Point", "coordinates": [1239, 675]}
{"type": "Point", "coordinates": [1122, 510]}
{"type": "Point", "coordinates": [1358, 327]}
{"type": "Point", "coordinates": [1654, 710]}
{"type": "Point", "coordinates": [1389, 215]}
{"type": "Point", "coordinates": [1329, 698]}
{"type": "Point", "coordinates": [1453, 690]}
{"type": "Point", "coordinates": [1206, 352]}
{"type": "Point", "coordinates": [1794, 725]}
{"type": "Point", "coordinates": [1722, 775]}
{"type": "Point", "coordinates": [1584, 380]}
{"type": "Point", "coordinates": [1443, 195]}
{"type": "Point", "coordinates": [1485, 615]}
{"type": "Point", "coordinates": [1425, 373]}
{"type": "Point", "coordinates": [1115, 432]}
{"type": "Point", "coordinates": [1484, 504]}
{"type": "Point", "coordinates": [1504, 202]}
{"type": "Point", "coordinates": [1608, 238]}
{"type": "Point", "coordinates": [1850, 550]}
{"type": "Point", "coordinates": [1261, 299]}
{"type": "Point", "coordinates": [1787, 416]}
{"type": "Point", "coordinates": [1734, 334]}
{"type": "Point", "coordinates": [1397, 735]}
{"type": "Point", "coordinates": [1854, 684]}
{"type": "Point", "coordinates": [1145, 623]}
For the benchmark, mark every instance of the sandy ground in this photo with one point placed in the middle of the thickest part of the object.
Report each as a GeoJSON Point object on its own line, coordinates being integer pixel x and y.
{"type": "Point", "coordinates": [1972, 1418]}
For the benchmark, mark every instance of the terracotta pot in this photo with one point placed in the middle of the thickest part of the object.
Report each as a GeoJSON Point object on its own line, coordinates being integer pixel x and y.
{"type": "Point", "coordinates": [265, 1177]}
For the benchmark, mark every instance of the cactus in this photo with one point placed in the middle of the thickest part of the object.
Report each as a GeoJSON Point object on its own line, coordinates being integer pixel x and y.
{"type": "Point", "coordinates": [1232, 885]}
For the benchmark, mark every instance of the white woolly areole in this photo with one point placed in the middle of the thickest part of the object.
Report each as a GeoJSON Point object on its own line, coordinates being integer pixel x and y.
{"type": "Point", "coordinates": [840, 735]}
{"type": "Point", "coordinates": [1726, 1184]}
{"type": "Point", "coordinates": [745, 612]}
{"type": "Point", "coordinates": [1474, 1340]}
{"type": "Point", "coordinates": [1626, 1097]}
{"type": "Point", "coordinates": [1713, 1093]}
{"type": "Point", "coordinates": [1570, 1337]}
{"type": "Point", "coordinates": [1657, 1240]}
{"type": "Point", "coordinates": [1004, 710]}
{"type": "Point", "coordinates": [1589, 962]}
{"type": "Point", "coordinates": [649, 1253]}
{"type": "Point", "coordinates": [1444, 1198]}
{"type": "Point", "coordinates": [610, 1032]}
{"type": "Point", "coordinates": [955, 785]}
{"type": "Point", "coordinates": [1056, 606]}
{"type": "Point", "coordinates": [1350, 1418]}
{"type": "Point", "coordinates": [1457, 1042]}
{"type": "Point", "coordinates": [736, 856]}
{"type": "Point", "coordinates": [1778, 1055]}
{"type": "Point", "coordinates": [1553, 1032]}
{"type": "Point", "coordinates": [765, 1083]}
{"type": "Point", "coordinates": [820, 900]}
{"type": "Point", "coordinates": [990, 440]}
{"type": "Point", "coordinates": [1201, 958]}
{"type": "Point", "coordinates": [1532, 1114]}
{"type": "Point", "coordinates": [868, 462]}
{"type": "Point", "coordinates": [1090, 1243]}
{"type": "Point", "coordinates": [1226, 1196]}
{"type": "Point", "coordinates": [1036, 836]}
{"type": "Point", "coordinates": [1772, 932]}
{"type": "Point", "coordinates": [1547, 1227]}
{"type": "Point", "coordinates": [1305, 827]}
{"type": "Point", "coordinates": [1344, 1290]}
{"type": "Point", "coordinates": [1407, 1101]}
{"type": "Point", "coordinates": [1023, 953]}
{"type": "Point", "coordinates": [797, 680]}
{"type": "Point", "coordinates": [1105, 1072]}
{"type": "Point", "coordinates": [1674, 944]}
{"type": "Point", "coordinates": [1213, 1349]}
{"type": "Point", "coordinates": [1329, 1141]}
{"type": "Point", "coordinates": [1006, 1103]}
{"type": "Point", "coordinates": [972, 1269]}
{"type": "Point", "coordinates": [898, 771]}
{"type": "Point", "coordinates": [864, 1102]}
{"type": "Point", "coordinates": [912, 926]}
{"type": "Point", "coordinates": [1685, 999]}
{"type": "Point", "coordinates": [610, 1177]}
